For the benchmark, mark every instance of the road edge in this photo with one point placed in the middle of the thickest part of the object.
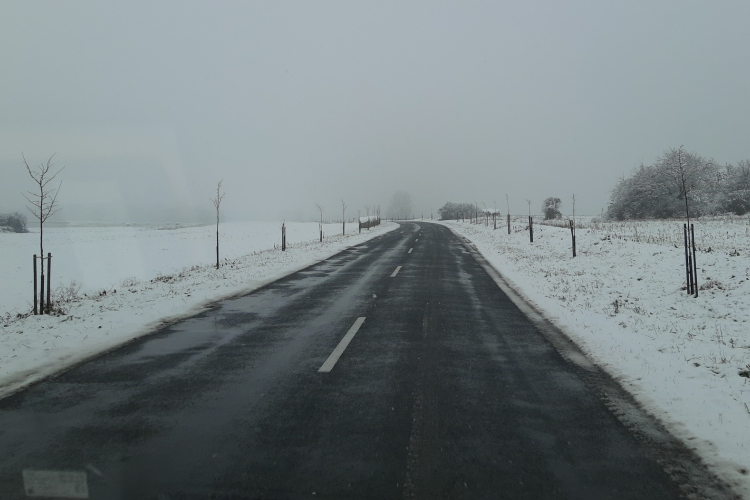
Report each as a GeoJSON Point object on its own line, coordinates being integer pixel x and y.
{"type": "Point", "coordinates": [683, 464]}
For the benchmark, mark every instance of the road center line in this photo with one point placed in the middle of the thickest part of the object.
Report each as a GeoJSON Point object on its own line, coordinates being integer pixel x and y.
{"type": "Point", "coordinates": [417, 239]}
{"type": "Point", "coordinates": [410, 250]}
{"type": "Point", "coordinates": [336, 354]}
{"type": "Point", "coordinates": [396, 272]}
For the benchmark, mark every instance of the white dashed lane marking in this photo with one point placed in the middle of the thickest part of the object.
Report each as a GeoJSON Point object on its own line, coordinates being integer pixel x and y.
{"type": "Point", "coordinates": [410, 250]}
{"type": "Point", "coordinates": [336, 354]}
{"type": "Point", "coordinates": [396, 272]}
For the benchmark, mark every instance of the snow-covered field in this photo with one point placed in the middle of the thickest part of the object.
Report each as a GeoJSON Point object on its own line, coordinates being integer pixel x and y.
{"type": "Point", "coordinates": [99, 257]}
{"type": "Point", "coordinates": [622, 299]}
{"type": "Point", "coordinates": [133, 278]}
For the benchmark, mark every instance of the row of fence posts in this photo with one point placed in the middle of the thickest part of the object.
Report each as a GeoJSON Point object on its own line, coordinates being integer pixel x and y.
{"type": "Point", "coordinates": [691, 266]}
{"type": "Point", "coordinates": [40, 307]}
{"type": "Point", "coordinates": [531, 230]}
{"type": "Point", "coordinates": [370, 223]}
{"type": "Point", "coordinates": [365, 225]}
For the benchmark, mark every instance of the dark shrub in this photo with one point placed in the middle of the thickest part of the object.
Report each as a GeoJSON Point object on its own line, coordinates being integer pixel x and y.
{"type": "Point", "coordinates": [15, 221]}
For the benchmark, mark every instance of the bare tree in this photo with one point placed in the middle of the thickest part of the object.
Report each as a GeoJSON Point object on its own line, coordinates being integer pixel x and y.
{"type": "Point", "coordinates": [320, 226]}
{"type": "Point", "coordinates": [217, 203]}
{"type": "Point", "coordinates": [343, 217]}
{"type": "Point", "coordinates": [367, 209]}
{"type": "Point", "coordinates": [688, 172]}
{"type": "Point", "coordinates": [43, 206]}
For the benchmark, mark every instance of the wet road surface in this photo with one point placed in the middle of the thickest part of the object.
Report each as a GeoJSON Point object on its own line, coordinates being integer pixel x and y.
{"type": "Point", "coordinates": [350, 379]}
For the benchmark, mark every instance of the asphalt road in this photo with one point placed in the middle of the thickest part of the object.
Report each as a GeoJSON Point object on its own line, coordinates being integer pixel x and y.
{"type": "Point", "coordinates": [445, 390]}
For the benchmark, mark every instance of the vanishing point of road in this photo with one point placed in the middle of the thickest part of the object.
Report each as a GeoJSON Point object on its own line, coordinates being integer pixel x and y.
{"type": "Point", "coordinates": [399, 368]}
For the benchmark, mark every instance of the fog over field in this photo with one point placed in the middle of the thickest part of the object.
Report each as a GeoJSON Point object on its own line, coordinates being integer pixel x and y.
{"type": "Point", "coordinates": [295, 103]}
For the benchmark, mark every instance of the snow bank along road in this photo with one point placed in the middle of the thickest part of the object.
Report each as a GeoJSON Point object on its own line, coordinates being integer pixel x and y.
{"type": "Point", "coordinates": [137, 300]}
{"type": "Point", "coordinates": [396, 369]}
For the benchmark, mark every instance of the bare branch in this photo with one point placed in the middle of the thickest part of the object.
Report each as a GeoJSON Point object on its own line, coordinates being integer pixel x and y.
{"type": "Point", "coordinates": [219, 196]}
{"type": "Point", "coordinates": [45, 202]}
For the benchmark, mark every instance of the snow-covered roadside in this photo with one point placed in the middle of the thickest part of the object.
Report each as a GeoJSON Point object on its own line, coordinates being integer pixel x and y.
{"type": "Point", "coordinates": [34, 347]}
{"type": "Point", "coordinates": [685, 359]}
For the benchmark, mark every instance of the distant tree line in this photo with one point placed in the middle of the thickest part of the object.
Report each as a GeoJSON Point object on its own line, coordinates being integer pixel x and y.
{"type": "Point", "coordinates": [13, 223]}
{"type": "Point", "coordinates": [659, 190]}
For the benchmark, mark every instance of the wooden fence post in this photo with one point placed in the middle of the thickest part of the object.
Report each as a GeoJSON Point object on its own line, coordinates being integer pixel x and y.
{"type": "Point", "coordinates": [695, 264]}
{"type": "Point", "coordinates": [573, 236]}
{"type": "Point", "coordinates": [36, 298]}
{"type": "Point", "coordinates": [508, 223]}
{"type": "Point", "coordinates": [49, 282]}
{"type": "Point", "coordinates": [687, 260]}
{"type": "Point", "coordinates": [688, 264]}
{"type": "Point", "coordinates": [531, 229]}
{"type": "Point", "coordinates": [41, 285]}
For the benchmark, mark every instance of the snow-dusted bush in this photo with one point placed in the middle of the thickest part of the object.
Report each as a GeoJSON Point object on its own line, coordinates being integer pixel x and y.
{"type": "Point", "coordinates": [455, 211]}
{"type": "Point", "coordinates": [736, 197]}
{"type": "Point", "coordinates": [13, 223]}
{"type": "Point", "coordinates": [659, 190]}
{"type": "Point", "coordinates": [551, 208]}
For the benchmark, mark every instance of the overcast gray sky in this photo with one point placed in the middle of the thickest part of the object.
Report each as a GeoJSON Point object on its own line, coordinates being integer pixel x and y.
{"type": "Point", "coordinates": [149, 104]}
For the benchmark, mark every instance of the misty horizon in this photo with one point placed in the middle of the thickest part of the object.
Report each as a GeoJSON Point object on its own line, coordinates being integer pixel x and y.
{"type": "Point", "coordinates": [149, 106]}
